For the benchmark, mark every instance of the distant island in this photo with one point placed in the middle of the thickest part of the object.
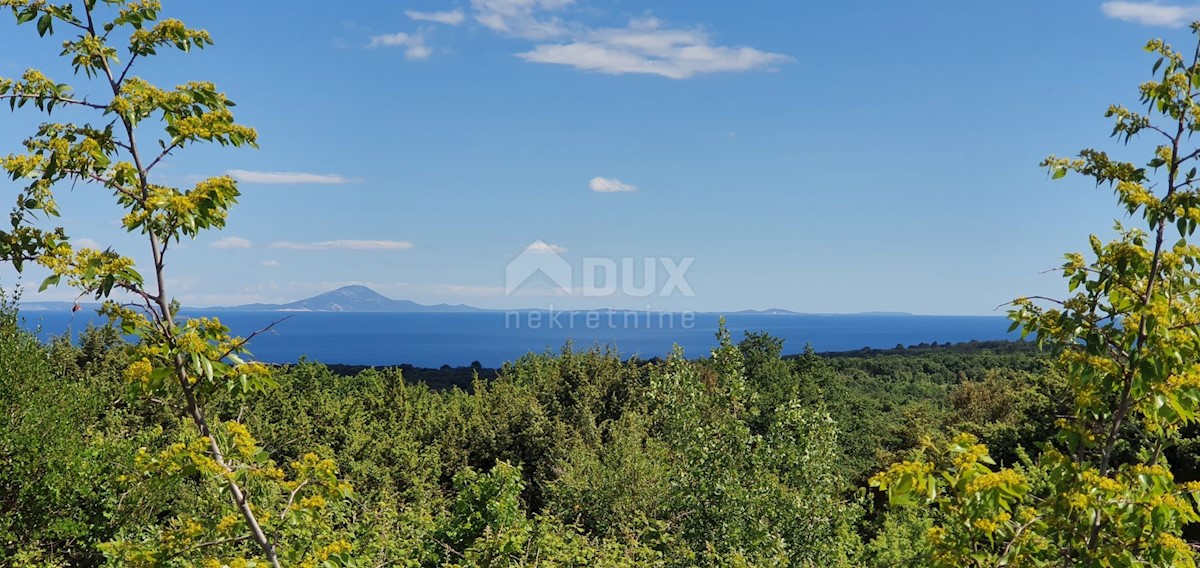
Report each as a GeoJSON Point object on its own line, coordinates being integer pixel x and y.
{"type": "Point", "coordinates": [360, 299]}
{"type": "Point", "coordinates": [351, 299]}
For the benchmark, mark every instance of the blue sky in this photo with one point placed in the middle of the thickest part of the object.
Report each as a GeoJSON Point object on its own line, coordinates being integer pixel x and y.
{"type": "Point", "coordinates": [822, 157]}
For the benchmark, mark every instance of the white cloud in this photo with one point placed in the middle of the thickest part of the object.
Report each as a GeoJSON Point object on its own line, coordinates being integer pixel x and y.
{"type": "Point", "coordinates": [543, 247]}
{"type": "Point", "coordinates": [270, 263]}
{"type": "Point", "coordinates": [451, 18]}
{"type": "Point", "coordinates": [84, 242]}
{"type": "Point", "coordinates": [519, 17]}
{"type": "Point", "coordinates": [226, 243]}
{"type": "Point", "coordinates": [248, 176]}
{"type": "Point", "coordinates": [414, 44]}
{"type": "Point", "coordinates": [610, 185]}
{"type": "Point", "coordinates": [344, 245]}
{"type": "Point", "coordinates": [645, 47]}
{"type": "Point", "coordinates": [1151, 13]}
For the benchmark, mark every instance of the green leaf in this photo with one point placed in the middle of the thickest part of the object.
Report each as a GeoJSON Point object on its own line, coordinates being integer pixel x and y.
{"type": "Point", "coordinates": [44, 24]}
{"type": "Point", "coordinates": [51, 280]}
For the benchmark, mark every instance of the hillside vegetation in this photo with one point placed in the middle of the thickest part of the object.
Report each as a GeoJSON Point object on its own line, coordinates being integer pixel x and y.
{"type": "Point", "coordinates": [741, 457]}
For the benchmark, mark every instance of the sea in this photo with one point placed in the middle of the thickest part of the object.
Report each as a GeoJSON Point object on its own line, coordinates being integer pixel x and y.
{"type": "Point", "coordinates": [492, 338]}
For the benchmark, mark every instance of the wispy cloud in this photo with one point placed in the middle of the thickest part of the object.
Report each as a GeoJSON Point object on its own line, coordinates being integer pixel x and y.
{"type": "Point", "coordinates": [520, 18]}
{"type": "Point", "coordinates": [344, 245]}
{"type": "Point", "coordinates": [644, 46]}
{"type": "Point", "coordinates": [270, 263]}
{"type": "Point", "coordinates": [414, 44]}
{"type": "Point", "coordinates": [297, 178]}
{"type": "Point", "coordinates": [610, 185]}
{"type": "Point", "coordinates": [451, 18]}
{"type": "Point", "coordinates": [84, 242]}
{"type": "Point", "coordinates": [226, 243]}
{"type": "Point", "coordinates": [1151, 13]}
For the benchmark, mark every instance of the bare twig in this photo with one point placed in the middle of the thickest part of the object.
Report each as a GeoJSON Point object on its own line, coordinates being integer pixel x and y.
{"type": "Point", "coordinates": [291, 498]}
{"type": "Point", "coordinates": [56, 99]}
{"type": "Point", "coordinates": [239, 344]}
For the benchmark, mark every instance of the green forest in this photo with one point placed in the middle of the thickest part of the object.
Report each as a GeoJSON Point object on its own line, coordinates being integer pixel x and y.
{"type": "Point", "coordinates": [575, 458]}
{"type": "Point", "coordinates": [1076, 446]}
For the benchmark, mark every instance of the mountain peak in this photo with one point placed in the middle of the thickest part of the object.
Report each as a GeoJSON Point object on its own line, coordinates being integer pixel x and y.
{"type": "Point", "coordinates": [356, 291]}
{"type": "Point", "coordinates": [353, 298]}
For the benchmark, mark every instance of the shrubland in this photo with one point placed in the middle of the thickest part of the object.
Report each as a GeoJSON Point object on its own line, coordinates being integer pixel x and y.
{"type": "Point", "coordinates": [742, 457]}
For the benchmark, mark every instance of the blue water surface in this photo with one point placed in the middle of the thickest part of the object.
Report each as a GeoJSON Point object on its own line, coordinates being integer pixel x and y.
{"type": "Point", "coordinates": [456, 339]}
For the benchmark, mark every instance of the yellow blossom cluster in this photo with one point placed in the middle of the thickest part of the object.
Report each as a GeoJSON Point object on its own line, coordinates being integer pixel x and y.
{"type": "Point", "coordinates": [335, 547]}
{"type": "Point", "coordinates": [1026, 514]}
{"type": "Point", "coordinates": [228, 522]}
{"type": "Point", "coordinates": [243, 443]}
{"type": "Point", "coordinates": [995, 480]}
{"type": "Point", "coordinates": [1077, 501]}
{"type": "Point", "coordinates": [1136, 195]}
{"type": "Point", "coordinates": [1173, 543]}
{"type": "Point", "coordinates": [1156, 470]}
{"type": "Point", "coordinates": [1168, 500]}
{"type": "Point", "coordinates": [235, 563]}
{"type": "Point", "coordinates": [312, 502]}
{"type": "Point", "coordinates": [988, 526]}
{"type": "Point", "coordinates": [139, 372]}
{"type": "Point", "coordinates": [936, 535]}
{"type": "Point", "coordinates": [1092, 479]}
{"type": "Point", "coordinates": [22, 165]}
{"type": "Point", "coordinates": [902, 470]}
{"type": "Point", "coordinates": [177, 458]}
{"type": "Point", "coordinates": [182, 534]}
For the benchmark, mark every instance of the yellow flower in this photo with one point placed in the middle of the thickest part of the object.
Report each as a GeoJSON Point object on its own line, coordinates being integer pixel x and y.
{"type": "Point", "coordinates": [312, 502]}
{"type": "Point", "coordinates": [988, 526]}
{"type": "Point", "coordinates": [228, 522]}
{"type": "Point", "coordinates": [1174, 544]}
{"type": "Point", "coordinates": [988, 481]}
{"type": "Point", "coordinates": [139, 371]}
{"type": "Point", "coordinates": [335, 547]}
{"type": "Point", "coordinates": [936, 535]}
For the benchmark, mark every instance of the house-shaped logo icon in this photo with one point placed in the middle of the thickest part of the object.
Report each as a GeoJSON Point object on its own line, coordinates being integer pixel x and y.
{"type": "Point", "coordinates": [538, 257]}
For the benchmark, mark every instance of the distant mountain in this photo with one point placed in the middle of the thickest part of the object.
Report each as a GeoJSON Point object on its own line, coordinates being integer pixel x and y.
{"type": "Point", "coordinates": [364, 299]}
{"type": "Point", "coordinates": [350, 299]}
{"type": "Point", "coordinates": [783, 312]}
{"type": "Point", "coordinates": [57, 306]}
{"type": "Point", "coordinates": [771, 312]}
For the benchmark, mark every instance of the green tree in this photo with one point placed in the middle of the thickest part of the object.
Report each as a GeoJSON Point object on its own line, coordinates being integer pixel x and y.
{"type": "Point", "coordinates": [1128, 344]}
{"type": "Point", "coordinates": [177, 363]}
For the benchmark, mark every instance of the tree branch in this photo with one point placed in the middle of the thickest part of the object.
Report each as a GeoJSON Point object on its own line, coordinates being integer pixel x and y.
{"type": "Point", "coordinates": [59, 99]}
{"type": "Point", "coordinates": [239, 344]}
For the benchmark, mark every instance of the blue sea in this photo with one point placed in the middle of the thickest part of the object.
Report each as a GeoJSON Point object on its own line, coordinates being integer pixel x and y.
{"type": "Point", "coordinates": [457, 339]}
